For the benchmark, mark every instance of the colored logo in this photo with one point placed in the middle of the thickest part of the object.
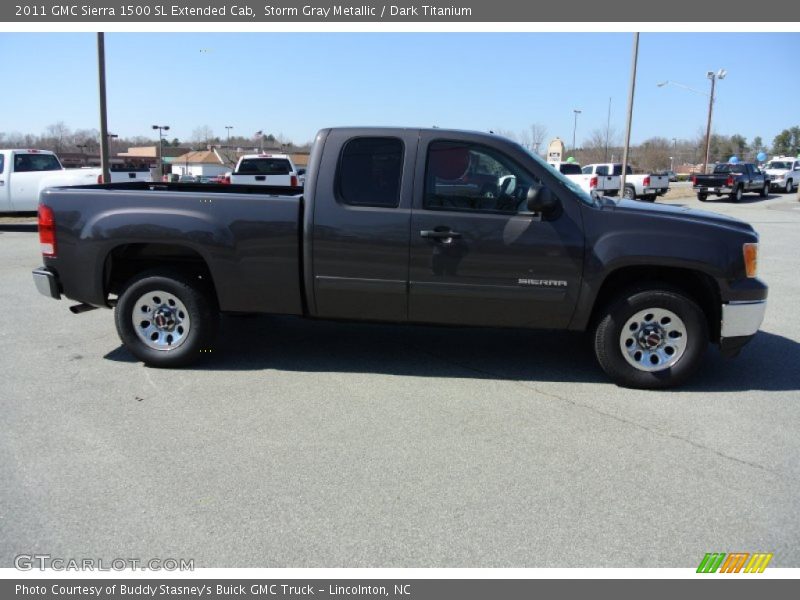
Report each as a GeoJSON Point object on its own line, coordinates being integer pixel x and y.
{"type": "Point", "coordinates": [736, 562]}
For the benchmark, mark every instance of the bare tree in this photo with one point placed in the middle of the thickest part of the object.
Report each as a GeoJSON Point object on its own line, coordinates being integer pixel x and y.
{"type": "Point", "coordinates": [57, 134]}
{"type": "Point", "coordinates": [202, 135]}
{"type": "Point", "coordinates": [538, 135]}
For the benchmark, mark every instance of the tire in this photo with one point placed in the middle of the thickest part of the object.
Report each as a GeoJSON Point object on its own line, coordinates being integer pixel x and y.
{"type": "Point", "coordinates": [187, 313]}
{"type": "Point", "coordinates": [789, 186]}
{"type": "Point", "coordinates": [650, 197]}
{"type": "Point", "coordinates": [736, 196]}
{"type": "Point", "coordinates": [629, 193]}
{"type": "Point", "coordinates": [765, 191]}
{"type": "Point", "coordinates": [676, 322]}
{"type": "Point", "coordinates": [702, 197]}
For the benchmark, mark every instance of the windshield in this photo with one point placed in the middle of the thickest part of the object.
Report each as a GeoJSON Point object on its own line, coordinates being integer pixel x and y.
{"type": "Point", "coordinates": [778, 164]}
{"type": "Point", "coordinates": [570, 185]}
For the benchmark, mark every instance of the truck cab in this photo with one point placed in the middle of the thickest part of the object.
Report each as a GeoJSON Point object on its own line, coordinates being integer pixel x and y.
{"type": "Point", "coordinates": [21, 174]}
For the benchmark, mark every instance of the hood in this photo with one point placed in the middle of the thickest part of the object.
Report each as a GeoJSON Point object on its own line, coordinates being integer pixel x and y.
{"type": "Point", "coordinates": [666, 211]}
{"type": "Point", "coordinates": [776, 171]}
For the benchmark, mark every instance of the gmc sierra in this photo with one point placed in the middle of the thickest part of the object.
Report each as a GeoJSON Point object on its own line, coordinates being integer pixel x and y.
{"type": "Point", "coordinates": [408, 225]}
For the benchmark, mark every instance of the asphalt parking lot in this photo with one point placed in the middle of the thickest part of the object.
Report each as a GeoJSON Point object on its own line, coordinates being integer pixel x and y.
{"type": "Point", "coordinates": [312, 444]}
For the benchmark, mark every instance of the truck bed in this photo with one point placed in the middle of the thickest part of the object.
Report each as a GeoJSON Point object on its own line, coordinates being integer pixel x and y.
{"type": "Point", "coordinates": [246, 237]}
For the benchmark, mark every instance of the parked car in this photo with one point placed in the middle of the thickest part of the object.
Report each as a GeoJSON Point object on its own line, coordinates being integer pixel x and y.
{"type": "Point", "coordinates": [25, 173]}
{"type": "Point", "coordinates": [784, 173]}
{"type": "Point", "coordinates": [607, 185]}
{"type": "Point", "coordinates": [672, 176]}
{"type": "Point", "coordinates": [265, 169]}
{"type": "Point", "coordinates": [637, 186]}
{"type": "Point", "coordinates": [402, 225]}
{"type": "Point", "coordinates": [731, 179]}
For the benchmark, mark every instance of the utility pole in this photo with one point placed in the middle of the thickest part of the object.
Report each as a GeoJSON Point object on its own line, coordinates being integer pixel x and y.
{"type": "Point", "coordinates": [713, 77]}
{"type": "Point", "coordinates": [101, 75]}
{"type": "Point", "coordinates": [574, 129]}
{"type": "Point", "coordinates": [631, 91]}
{"type": "Point", "coordinates": [608, 129]}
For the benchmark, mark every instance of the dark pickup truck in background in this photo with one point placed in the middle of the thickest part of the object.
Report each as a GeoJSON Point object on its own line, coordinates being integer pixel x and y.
{"type": "Point", "coordinates": [408, 226]}
{"type": "Point", "coordinates": [731, 179]}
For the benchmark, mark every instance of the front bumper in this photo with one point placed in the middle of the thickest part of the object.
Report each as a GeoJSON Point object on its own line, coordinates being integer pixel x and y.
{"type": "Point", "coordinates": [47, 283]}
{"type": "Point", "coordinates": [742, 318]}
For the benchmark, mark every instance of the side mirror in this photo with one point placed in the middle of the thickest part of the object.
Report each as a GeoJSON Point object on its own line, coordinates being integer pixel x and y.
{"type": "Point", "coordinates": [541, 200]}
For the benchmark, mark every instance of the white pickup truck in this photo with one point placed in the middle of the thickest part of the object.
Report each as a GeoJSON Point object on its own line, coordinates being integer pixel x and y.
{"type": "Point", "coordinates": [644, 186]}
{"type": "Point", "coordinates": [607, 185]}
{"type": "Point", "coordinates": [784, 173]}
{"type": "Point", "coordinates": [265, 169]}
{"type": "Point", "coordinates": [25, 173]}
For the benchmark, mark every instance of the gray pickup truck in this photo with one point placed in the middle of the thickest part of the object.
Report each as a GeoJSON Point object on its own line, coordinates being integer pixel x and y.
{"type": "Point", "coordinates": [408, 226]}
{"type": "Point", "coordinates": [731, 179]}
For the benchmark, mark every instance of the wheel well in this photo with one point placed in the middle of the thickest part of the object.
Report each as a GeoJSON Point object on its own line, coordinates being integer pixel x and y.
{"type": "Point", "coordinates": [127, 261]}
{"type": "Point", "coordinates": [697, 285]}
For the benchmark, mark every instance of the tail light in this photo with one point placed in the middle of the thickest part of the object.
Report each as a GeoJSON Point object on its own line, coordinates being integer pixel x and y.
{"type": "Point", "coordinates": [47, 231]}
{"type": "Point", "coordinates": [750, 252]}
{"type": "Point", "coordinates": [646, 181]}
{"type": "Point", "coordinates": [226, 179]}
{"type": "Point", "coordinates": [593, 183]}
{"type": "Point", "coordinates": [293, 181]}
{"type": "Point", "coordinates": [729, 183]}
{"type": "Point", "coordinates": [100, 179]}
{"type": "Point", "coordinates": [694, 179]}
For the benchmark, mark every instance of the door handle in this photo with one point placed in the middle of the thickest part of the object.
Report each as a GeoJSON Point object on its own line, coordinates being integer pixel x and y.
{"type": "Point", "coordinates": [444, 235]}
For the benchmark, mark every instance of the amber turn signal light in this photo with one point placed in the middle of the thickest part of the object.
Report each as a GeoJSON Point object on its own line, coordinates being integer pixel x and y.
{"type": "Point", "coordinates": [750, 259]}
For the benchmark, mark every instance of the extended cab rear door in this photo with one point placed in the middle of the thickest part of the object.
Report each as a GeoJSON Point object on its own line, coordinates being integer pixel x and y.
{"type": "Point", "coordinates": [359, 231]}
{"type": "Point", "coordinates": [477, 256]}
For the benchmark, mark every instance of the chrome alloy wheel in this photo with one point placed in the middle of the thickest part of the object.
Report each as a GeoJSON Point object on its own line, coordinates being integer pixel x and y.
{"type": "Point", "coordinates": [653, 339]}
{"type": "Point", "coordinates": [160, 320]}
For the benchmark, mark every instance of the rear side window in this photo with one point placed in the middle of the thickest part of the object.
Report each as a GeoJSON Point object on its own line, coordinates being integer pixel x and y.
{"type": "Point", "coordinates": [602, 170]}
{"type": "Point", "coordinates": [264, 166]}
{"type": "Point", "coordinates": [370, 170]}
{"type": "Point", "coordinates": [35, 162]}
{"type": "Point", "coordinates": [2, 162]}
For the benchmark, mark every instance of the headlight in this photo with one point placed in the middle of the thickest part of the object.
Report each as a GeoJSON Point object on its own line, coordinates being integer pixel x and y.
{"type": "Point", "coordinates": [750, 252]}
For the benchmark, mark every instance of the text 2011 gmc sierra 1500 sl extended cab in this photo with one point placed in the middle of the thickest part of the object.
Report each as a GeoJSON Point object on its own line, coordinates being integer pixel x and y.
{"type": "Point", "coordinates": [408, 226]}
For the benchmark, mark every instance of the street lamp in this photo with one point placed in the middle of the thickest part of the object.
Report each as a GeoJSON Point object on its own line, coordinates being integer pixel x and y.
{"type": "Point", "coordinates": [82, 148]}
{"type": "Point", "coordinates": [229, 127]}
{"type": "Point", "coordinates": [575, 127]}
{"type": "Point", "coordinates": [713, 77]}
{"type": "Point", "coordinates": [161, 130]}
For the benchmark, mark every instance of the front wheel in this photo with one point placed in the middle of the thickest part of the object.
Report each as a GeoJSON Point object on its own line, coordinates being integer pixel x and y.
{"type": "Point", "coordinates": [789, 186]}
{"type": "Point", "coordinates": [765, 191]}
{"type": "Point", "coordinates": [651, 338]}
{"type": "Point", "coordinates": [166, 319]}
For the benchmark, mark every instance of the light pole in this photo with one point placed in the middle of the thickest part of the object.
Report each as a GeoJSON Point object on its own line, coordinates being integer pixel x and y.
{"type": "Point", "coordinates": [229, 127]}
{"type": "Point", "coordinates": [671, 164]}
{"type": "Point", "coordinates": [161, 130]}
{"type": "Point", "coordinates": [713, 77]}
{"type": "Point", "coordinates": [575, 128]}
{"type": "Point", "coordinates": [82, 148]}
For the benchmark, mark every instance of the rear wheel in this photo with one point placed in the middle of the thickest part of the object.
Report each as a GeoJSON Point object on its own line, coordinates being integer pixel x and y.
{"type": "Point", "coordinates": [629, 193]}
{"type": "Point", "coordinates": [736, 196]}
{"type": "Point", "coordinates": [166, 319]}
{"type": "Point", "coordinates": [702, 197]}
{"type": "Point", "coordinates": [651, 338]}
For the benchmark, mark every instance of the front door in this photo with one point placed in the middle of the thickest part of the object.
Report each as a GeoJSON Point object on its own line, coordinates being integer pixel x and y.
{"type": "Point", "coordinates": [477, 256]}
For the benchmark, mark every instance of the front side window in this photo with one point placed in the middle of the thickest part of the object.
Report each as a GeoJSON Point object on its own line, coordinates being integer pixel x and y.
{"type": "Point", "coordinates": [370, 172]}
{"type": "Point", "coordinates": [35, 162]}
{"type": "Point", "coordinates": [465, 176]}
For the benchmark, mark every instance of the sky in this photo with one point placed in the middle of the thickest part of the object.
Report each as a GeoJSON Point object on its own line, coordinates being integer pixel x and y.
{"type": "Point", "coordinates": [298, 83]}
